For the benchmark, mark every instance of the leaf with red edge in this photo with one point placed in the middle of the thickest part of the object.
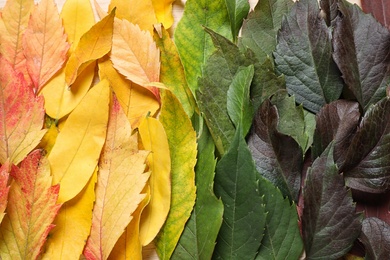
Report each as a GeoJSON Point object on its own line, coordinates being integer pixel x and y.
{"type": "Point", "coordinates": [44, 43]}
{"type": "Point", "coordinates": [380, 9]}
{"type": "Point", "coordinates": [21, 116]}
{"type": "Point", "coordinates": [31, 209]}
{"type": "Point", "coordinates": [4, 188]}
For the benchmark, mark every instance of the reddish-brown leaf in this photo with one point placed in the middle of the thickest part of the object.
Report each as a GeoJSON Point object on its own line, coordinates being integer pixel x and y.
{"type": "Point", "coordinates": [21, 115]}
{"type": "Point", "coordinates": [380, 9]}
{"type": "Point", "coordinates": [4, 188]}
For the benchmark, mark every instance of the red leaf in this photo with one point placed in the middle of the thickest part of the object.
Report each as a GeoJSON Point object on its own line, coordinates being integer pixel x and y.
{"type": "Point", "coordinates": [380, 9]}
{"type": "Point", "coordinates": [4, 188]}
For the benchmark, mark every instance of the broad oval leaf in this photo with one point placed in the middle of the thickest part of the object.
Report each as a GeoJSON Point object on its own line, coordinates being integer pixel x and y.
{"type": "Point", "coordinates": [376, 238]}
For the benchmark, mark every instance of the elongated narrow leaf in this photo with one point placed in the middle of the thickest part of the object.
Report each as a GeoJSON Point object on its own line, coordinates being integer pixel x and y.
{"type": "Point", "coordinates": [163, 10]}
{"type": "Point", "coordinates": [282, 238]}
{"type": "Point", "coordinates": [172, 71]}
{"type": "Point", "coordinates": [244, 214]}
{"type": "Point", "coordinates": [31, 209]}
{"type": "Point", "coordinates": [44, 44]}
{"type": "Point", "coordinates": [199, 236]}
{"type": "Point", "coordinates": [278, 157]}
{"type": "Point", "coordinates": [376, 238]}
{"type": "Point", "coordinates": [304, 55]}
{"type": "Point", "coordinates": [193, 44]}
{"type": "Point", "coordinates": [154, 139]}
{"type": "Point", "coordinates": [135, 54]}
{"type": "Point", "coordinates": [237, 10]}
{"type": "Point", "coordinates": [121, 179]}
{"type": "Point", "coordinates": [329, 222]}
{"type": "Point", "coordinates": [361, 50]}
{"type": "Point", "coordinates": [72, 225]}
{"type": "Point", "coordinates": [379, 9]}
{"type": "Point", "coordinates": [21, 114]}
{"type": "Point", "coordinates": [267, 15]}
{"type": "Point", "coordinates": [74, 156]}
{"type": "Point", "coordinates": [183, 152]}
{"type": "Point", "coordinates": [4, 188]}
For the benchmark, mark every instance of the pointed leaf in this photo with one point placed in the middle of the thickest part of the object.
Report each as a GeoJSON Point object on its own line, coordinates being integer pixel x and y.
{"type": "Point", "coordinates": [360, 47]}
{"type": "Point", "coordinates": [304, 55]}
{"type": "Point", "coordinates": [379, 9]}
{"type": "Point", "coordinates": [44, 44]}
{"type": "Point", "coordinates": [74, 156]}
{"type": "Point", "coordinates": [329, 222]}
{"type": "Point", "coordinates": [376, 238]}
{"type": "Point", "coordinates": [121, 179]}
{"type": "Point", "coordinates": [163, 10]}
{"type": "Point", "coordinates": [94, 44]}
{"type": "Point", "coordinates": [244, 214]}
{"type": "Point", "coordinates": [154, 139]}
{"type": "Point", "coordinates": [193, 44]}
{"type": "Point", "coordinates": [237, 10]}
{"type": "Point", "coordinates": [135, 54]}
{"type": "Point", "coordinates": [278, 157]}
{"type": "Point", "coordinates": [199, 236]}
{"type": "Point", "coordinates": [21, 114]}
{"type": "Point", "coordinates": [183, 151]}
{"type": "Point", "coordinates": [4, 188]}
{"type": "Point", "coordinates": [267, 15]}
{"type": "Point", "coordinates": [72, 225]}
{"type": "Point", "coordinates": [31, 209]}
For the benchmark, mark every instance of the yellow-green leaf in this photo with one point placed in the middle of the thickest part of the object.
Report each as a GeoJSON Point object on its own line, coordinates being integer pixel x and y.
{"type": "Point", "coordinates": [183, 150]}
{"type": "Point", "coordinates": [163, 10]}
{"type": "Point", "coordinates": [77, 149]}
{"type": "Point", "coordinates": [155, 140]}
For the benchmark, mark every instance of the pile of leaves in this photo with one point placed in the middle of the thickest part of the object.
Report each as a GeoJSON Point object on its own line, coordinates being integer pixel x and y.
{"type": "Point", "coordinates": [260, 134]}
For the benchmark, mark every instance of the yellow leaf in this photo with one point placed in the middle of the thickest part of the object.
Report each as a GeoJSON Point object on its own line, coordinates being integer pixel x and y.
{"type": "Point", "coordinates": [121, 179]}
{"type": "Point", "coordinates": [163, 10]}
{"type": "Point", "coordinates": [72, 225]}
{"type": "Point", "coordinates": [183, 150]}
{"type": "Point", "coordinates": [94, 44]}
{"type": "Point", "coordinates": [49, 139]}
{"type": "Point", "coordinates": [135, 100]}
{"type": "Point", "coordinates": [155, 140]}
{"type": "Point", "coordinates": [77, 149]}
{"type": "Point", "coordinates": [139, 12]}
{"type": "Point", "coordinates": [135, 54]}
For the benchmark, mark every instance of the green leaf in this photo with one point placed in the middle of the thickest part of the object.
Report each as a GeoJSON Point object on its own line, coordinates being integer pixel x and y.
{"type": "Point", "coordinates": [376, 238]}
{"type": "Point", "coordinates": [239, 107]}
{"type": "Point", "coordinates": [282, 238]}
{"type": "Point", "coordinates": [193, 44]}
{"type": "Point", "coordinates": [267, 15]}
{"type": "Point", "coordinates": [304, 55]}
{"type": "Point", "coordinates": [237, 10]}
{"type": "Point", "coordinates": [183, 151]}
{"type": "Point", "coordinates": [329, 222]}
{"type": "Point", "coordinates": [199, 236]}
{"type": "Point", "coordinates": [244, 215]}
{"type": "Point", "coordinates": [278, 157]}
{"type": "Point", "coordinates": [361, 50]}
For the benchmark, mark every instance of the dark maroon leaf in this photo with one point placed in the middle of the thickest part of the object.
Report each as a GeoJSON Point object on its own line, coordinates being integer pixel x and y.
{"type": "Point", "coordinates": [329, 10]}
{"type": "Point", "coordinates": [380, 9]}
{"type": "Point", "coordinates": [329, 222]}
{"type": "Point", "coordinates": [376, 238]}
{"type": "Point", "coordinates": [362, 52]}
{"type": "Point", "coordinates": [278, 157]}
{"type": "Point", "coordinates": [373, 205]}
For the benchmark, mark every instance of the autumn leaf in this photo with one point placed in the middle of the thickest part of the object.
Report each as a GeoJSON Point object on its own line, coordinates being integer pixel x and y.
{"type": "Point", "coordinates": [163, 10]}
{"type": "Point", "coordinates": [21, 114]}
{"type": "Point", "coordinates": [379, 9]}
{"type": "Point", "coordinates": [135, 55]}
{"type": "Point", "coordinates": [94, 44]}
{"type": "Point", "coordinates": [4, 188]}
{"type": "Point", "coordinates": [31, 209]}
{"type": "Point", "coordinates": [154, 139]}
{"type": "Point", "coordinates": [44, 44]}
{"type": "Point", "coordinates": [77, 149]}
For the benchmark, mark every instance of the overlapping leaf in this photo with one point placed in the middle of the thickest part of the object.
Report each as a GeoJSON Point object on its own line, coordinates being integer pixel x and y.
{"type": "Point", "coordinates": [237, 10]}
{"type": "Point", "coordinates": [163, 10]}
{"type": "Point", "coordinates": [4, 188]}
{"type": "Point", "coordinates": [379, 9]}
{"type": "Point", "coordinates": [376, 238]}
{"type": "Point", "coordinates": [31, 209]}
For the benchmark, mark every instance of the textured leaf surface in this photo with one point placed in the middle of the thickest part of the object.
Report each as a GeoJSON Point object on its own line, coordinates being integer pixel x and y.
{"type": "Point", "coordinates": [304, 55]}
{"type": "Point", "coordinates": [376, 238]}
{"type": "Point", "coordinates": [244, 214]}
{"type": "Point", "coordinates": [154, 139]}
{"type": "Point", "coordinates": [278, 157]}
{"type": "Point", "coordinates": [75, 154]}
{"type": "Point", "coordinates": [21, 114]}
{"type": "Point", "coordinates": [329, 222]}
{"type": "Point", "coordinates": [163, 10]}
{"type": "Point", "coordinates": [267, 15]}
{"type": "Point", "coordinates": [121, 179]}
{"type": "Point", "coordinates": [199, 236]}
{"type": "Point", "coordinates": [44, 44]}
{"type": "Point", "coordinates": [237, 10]}
{"type": "Point", "coordinates": [135, 54]}
{"type": "Point", "coordinates": [31, 210]}
{"type": "Point", "coordinates": [4, 188]}
{"type": "Point", "coordinates": [361, 50]}
{"type": "Point", "coordinates": [183, 152]}
{"type": "Point", "coordinates": [193, 44]}
{"type": "Point", "coordinates": [380, 9]}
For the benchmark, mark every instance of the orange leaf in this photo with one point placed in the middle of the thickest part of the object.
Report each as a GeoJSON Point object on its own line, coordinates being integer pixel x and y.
{"type": "Point", "coordinates": [21, 114]}
{"type": "Point", "coordinates": [31, 209]}
{"type": "Point", "coordinates": [135, 54]}
{"type": "Point", "coordinates": [44, 43]}
{"type": "Point", "coordinates": [4, 188]}
{"type": "Point", "coordinates": [121, 179]}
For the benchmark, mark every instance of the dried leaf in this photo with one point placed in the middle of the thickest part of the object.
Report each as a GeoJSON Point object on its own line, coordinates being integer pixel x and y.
{"type": "Point", "coordinates": [4, 188]}
{"type": "Point", "coordinates": [163, 10]}
{"type": "Point", "coordinates": [31, 209]}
